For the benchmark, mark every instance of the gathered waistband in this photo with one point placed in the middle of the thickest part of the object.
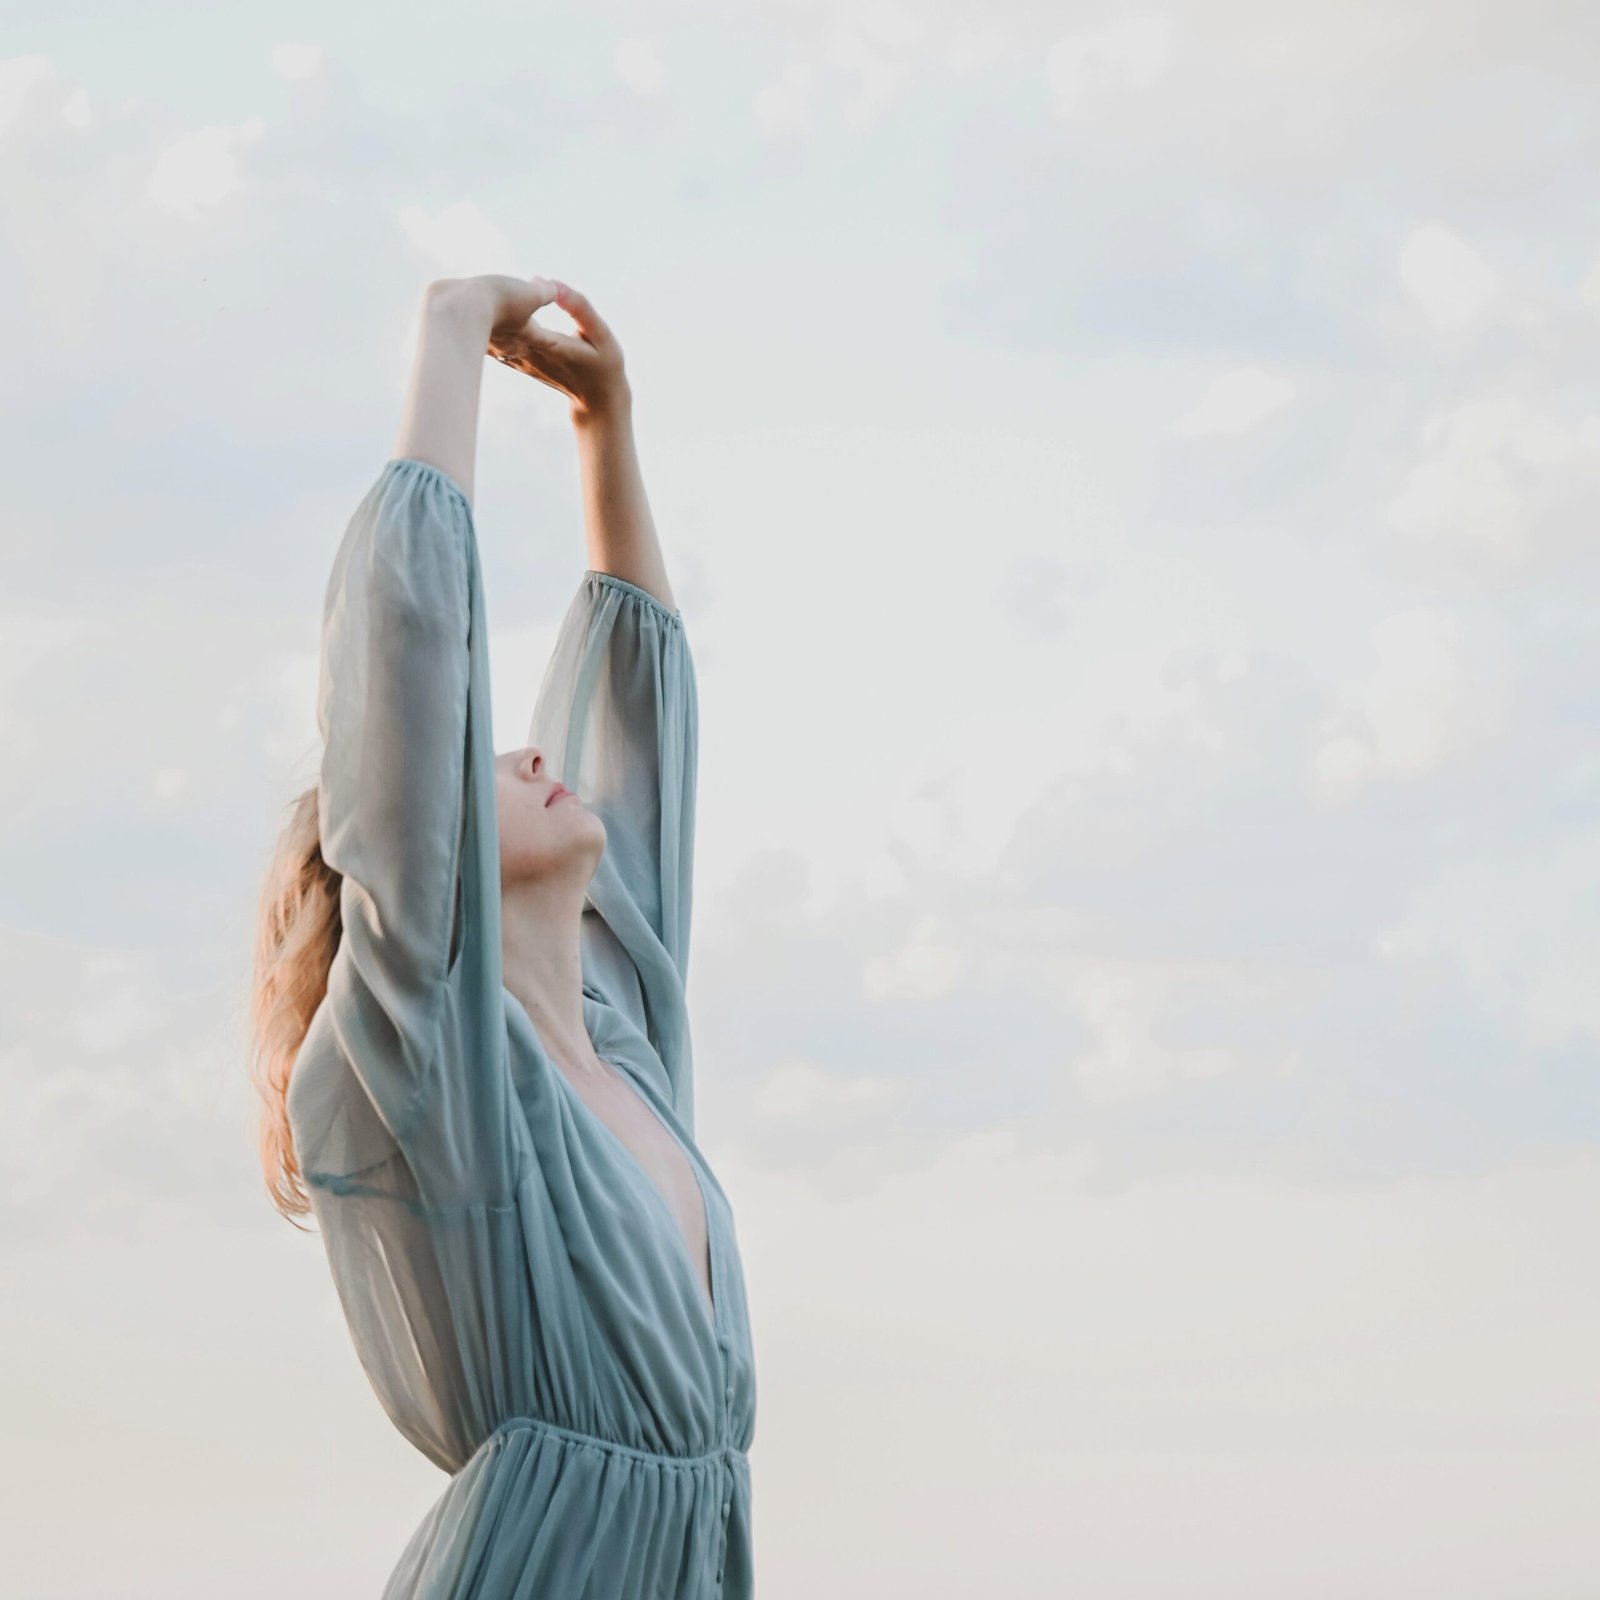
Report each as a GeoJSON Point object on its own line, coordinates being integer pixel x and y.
{"type": "Point", "coordinates": [657, 1458]}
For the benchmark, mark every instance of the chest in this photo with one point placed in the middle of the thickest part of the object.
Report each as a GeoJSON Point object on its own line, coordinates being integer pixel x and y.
{"type": "Point", "coordinates": [657, 1152]}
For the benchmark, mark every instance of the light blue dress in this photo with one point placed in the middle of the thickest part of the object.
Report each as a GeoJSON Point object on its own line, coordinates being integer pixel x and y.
{"type": "Point", "coordinates": [518, 1289]}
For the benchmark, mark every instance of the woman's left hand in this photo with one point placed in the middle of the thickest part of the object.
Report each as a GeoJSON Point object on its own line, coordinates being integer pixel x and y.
{"type": "Point", "coordinates": [586, 366]}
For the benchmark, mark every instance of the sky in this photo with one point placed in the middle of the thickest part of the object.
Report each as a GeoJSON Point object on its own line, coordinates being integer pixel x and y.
{"type": "Point", "coordinates": [1130, 479]}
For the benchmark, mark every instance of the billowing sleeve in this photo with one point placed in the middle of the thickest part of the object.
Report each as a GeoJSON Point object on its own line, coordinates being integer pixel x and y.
{"type": "Point", "coordinates": [617, 716]}
{"type": "Point", "coordinates": [406, 810]}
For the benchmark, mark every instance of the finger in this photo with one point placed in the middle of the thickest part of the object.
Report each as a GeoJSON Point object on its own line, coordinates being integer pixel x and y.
{"type": "Point", "coordinates": [577, 306]}
{"type": "Point", "coordinates": [544, 290]}
{"type": "Point", "coordinates": [520, 297]}
{"type": "Point", "coordinates": [537, 340]}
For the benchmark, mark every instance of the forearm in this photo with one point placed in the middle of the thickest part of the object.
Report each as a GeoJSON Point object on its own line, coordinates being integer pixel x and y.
{"type": "Point", "coordinates": [619, 531]}
{"type": "Point", "coordinates": [439, 423]}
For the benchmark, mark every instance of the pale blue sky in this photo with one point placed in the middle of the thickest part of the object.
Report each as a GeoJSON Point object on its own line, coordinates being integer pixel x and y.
{"type": "Point", "coordinates": [1131, 479]}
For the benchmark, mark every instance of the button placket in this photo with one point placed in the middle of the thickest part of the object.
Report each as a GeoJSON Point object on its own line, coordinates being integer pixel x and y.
{"type": "Point", "coordinates": [726, 1366]}
{"type": "Point", "coordinates": [722, 1546]}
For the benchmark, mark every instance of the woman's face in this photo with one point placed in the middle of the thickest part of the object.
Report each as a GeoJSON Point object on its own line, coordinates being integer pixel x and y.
{"type": "Point", "coordinates": [545, 830]}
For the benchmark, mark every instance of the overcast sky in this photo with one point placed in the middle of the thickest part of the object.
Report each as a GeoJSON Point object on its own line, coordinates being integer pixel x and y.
{"type": "Point", "coordinates": [1130, 478]}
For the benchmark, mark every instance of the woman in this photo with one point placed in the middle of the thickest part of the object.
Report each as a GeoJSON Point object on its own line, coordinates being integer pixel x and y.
{"type": "Point", "coordinates": [476, 974]}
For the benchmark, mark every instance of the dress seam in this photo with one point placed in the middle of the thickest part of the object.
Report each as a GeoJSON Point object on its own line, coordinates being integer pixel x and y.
{"type": "Point", "coordinates": [347, 1184]}
{"type": "Point", "coordinates": [439, 472]}
{"type": "Point", "coordinates": [633, 589]}
{"type": "Point", "coordinates": [594, 1441]}
{"type": "Point", "coordinates": [439, 983]}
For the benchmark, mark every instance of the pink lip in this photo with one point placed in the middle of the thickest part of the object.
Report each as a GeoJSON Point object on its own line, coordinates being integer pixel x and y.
{"type": "Point", "coordinates": [557, 793]}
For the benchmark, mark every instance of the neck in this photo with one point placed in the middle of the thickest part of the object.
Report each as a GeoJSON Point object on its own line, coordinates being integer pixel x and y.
{"type": "Point", "coordinates": [542, 965]}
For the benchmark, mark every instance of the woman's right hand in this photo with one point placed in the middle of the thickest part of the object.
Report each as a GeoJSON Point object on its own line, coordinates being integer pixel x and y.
{"type": "Point", "coordinates": [587, 366]}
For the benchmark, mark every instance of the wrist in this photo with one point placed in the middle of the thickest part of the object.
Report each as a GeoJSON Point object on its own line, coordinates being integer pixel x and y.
{"type": "Point", "coordinates": [611, 409]}
{"type": "Point", "coordinates": [460, 302]}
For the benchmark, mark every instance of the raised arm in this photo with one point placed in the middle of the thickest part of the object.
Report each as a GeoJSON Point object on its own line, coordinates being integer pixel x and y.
{"type": "Point", "coordinates": [620, 698]}
{"type": "Point", "coordinates": [406, 786]}
{"type": "Point", "coordinates": [617, 712]}
{"type": "Point", "coordinates": [589, 369]}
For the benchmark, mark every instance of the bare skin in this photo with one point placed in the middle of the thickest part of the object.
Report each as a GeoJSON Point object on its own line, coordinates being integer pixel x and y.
{"type": "Point", "coordinates": [550, 844]}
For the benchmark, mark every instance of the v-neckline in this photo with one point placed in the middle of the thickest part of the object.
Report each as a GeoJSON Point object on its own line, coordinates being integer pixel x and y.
{"type": "Point", "coordinates": [708, 1302]}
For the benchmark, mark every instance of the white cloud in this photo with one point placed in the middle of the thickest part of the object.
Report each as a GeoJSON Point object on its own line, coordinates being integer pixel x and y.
{"type": "Point", "coordinates": [459, 241]}
{"type": "Point", "coordinates": [1235, 402]}
{"type": "Point", "coordinates": [1424, 706]}
{"type": "Point", "coordinates": [974, 46]}
{"type": "Point", "coordinates": [77, 110]}
{"type": "Point", "coordinates": [1124, 1058]}
{"type": "Point", "coordinates": [19, 76]}
{"type": "Point", "coordinates": [1448, 279]}
{"type": "Point", "coordinates": [639, 65]}
{"type": "Point", "coordinates": [115, 1002]}
{"type": "Point", "coordinates": [201, 170]}
{"type": "Point", "coordinates": [785, 104]}
{"type": "Point", "coordinates": [1086, 69]}
{"type": "Point", "coordinates": [1505, 486]}
{"type": "Point", "coordinates": [924, 967]}
{"type": "Point", "coordinates": [297, 62]}
{"type": "Point", "coordinates": [168, 783]}
{"type": "Point", "coordinates": [799, 1089]}
{"type": "Point", "coordinates": [877, 48]}
{"type": "Point", "coordinates": [1423, 701]}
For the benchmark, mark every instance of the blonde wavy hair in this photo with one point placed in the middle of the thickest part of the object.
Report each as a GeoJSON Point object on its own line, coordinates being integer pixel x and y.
{"type": "Point", "coordinates": [298, 927]}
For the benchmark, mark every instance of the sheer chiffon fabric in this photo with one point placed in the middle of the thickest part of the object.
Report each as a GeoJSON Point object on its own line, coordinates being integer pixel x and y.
{"type": "Point", "coordinates": [518, 1290]}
